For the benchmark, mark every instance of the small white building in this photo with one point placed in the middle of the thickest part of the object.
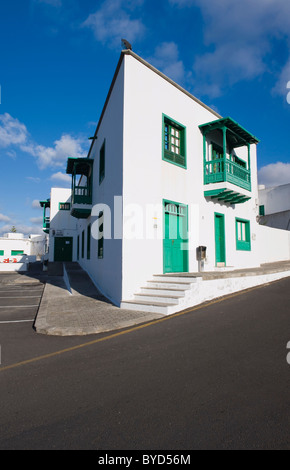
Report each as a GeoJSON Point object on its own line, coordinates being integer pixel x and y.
{"type": "Point", "coordinates": [166, 178]}
{"type": "Point", "coordinates": [274, 206]}
{"type": "Point", "coordinates": [17, 250]}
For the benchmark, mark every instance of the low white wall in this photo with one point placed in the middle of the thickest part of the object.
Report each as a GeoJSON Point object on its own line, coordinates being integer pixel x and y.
{"type": "Point", "coordinates": [274, 244]}
{"type": "Point", "coordinates": [13, 267]}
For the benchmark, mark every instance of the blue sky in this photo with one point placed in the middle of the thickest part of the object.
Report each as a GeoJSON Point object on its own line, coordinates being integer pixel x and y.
{"type": "Point", "coordinates": [58, 58]}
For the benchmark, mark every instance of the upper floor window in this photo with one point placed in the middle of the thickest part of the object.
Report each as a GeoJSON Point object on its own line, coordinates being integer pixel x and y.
{"type": "Point", "coordinates": [64, 206]}
{"type": "Point", "coordinates": [174, 142]}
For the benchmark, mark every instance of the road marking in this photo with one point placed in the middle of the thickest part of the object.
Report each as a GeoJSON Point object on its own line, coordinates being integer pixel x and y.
{"type": "Point", "coordinates": [15, 321]}
{"type": "Point", "coordinates": [21, 297]}
{"type": "Point", "coordinates": [130, 330]}
{"type": "Point", "coordinates": [18, 306]}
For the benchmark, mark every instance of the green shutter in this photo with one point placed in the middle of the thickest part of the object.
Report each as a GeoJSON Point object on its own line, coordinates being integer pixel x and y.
{"type": "Point", "coordinates": [83, 244]}
{"type": "Point", "coordinates": [243, 235]}
{"type": "Point", "coordinates": [101, 236]}
{"type": "Point", "coordinates": [89, 242]}
{"type": "Point", "coordinates": [1, 252]}
{"type": "Point", "coordinates": [102, 163]}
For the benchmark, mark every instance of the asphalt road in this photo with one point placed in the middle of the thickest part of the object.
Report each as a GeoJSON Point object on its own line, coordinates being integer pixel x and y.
{"type": "Point", "coordinates": [213, 378]}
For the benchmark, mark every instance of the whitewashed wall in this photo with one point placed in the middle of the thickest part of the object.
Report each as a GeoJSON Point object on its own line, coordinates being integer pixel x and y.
{"type": "Point", "coordinates": [149, 179]}
{"type": "Point", "coordinates": [61, 222]}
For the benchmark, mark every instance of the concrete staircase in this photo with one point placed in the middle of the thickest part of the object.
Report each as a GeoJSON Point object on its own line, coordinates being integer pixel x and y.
{"type": "Point", "coordinates": [164, 294]}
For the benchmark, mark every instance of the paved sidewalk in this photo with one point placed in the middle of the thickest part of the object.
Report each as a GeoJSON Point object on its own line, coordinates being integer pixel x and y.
{"type": "Point", "coordinates": [83, 311]}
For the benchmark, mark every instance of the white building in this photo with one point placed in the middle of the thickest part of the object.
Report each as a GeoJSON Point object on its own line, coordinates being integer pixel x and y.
{"type": "Point", "coordinates": [17, 250]}
{"type": "Point", "coordinates": [165, 175]}
{"type": "Point", "coordinates": [274, 205]}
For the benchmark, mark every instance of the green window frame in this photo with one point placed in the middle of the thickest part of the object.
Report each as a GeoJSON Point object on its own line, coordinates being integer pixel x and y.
{"type": "Point", "coordinates": [1, 252]}
{"type": "Point", "coordinates": [64, 206]}
{"type": "Point", "coordinates": [102, 162]}
{"type": "Point", "coordinates": [17, 252]}
{"type": "Point", "coordinates": [243, 235]}
{"type": "Point", "coordinates": [101, 238]}
{"type": "Point", "coordinates": [78, 248]}
{"type": "Point", "coordinates": [89, 242]}
{"type": "Point", "coordinates": [262, 210]}
{"type": "Point", "coordinates": [83, 244]}
{"type": "Point", "coordinates": [173, 142]}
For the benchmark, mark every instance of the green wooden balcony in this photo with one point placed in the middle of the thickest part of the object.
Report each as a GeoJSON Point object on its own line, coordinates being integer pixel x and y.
{"type": "Point", "coordinates": [81, 170]}
{"type": "Point", "coordinates": [218, 171]}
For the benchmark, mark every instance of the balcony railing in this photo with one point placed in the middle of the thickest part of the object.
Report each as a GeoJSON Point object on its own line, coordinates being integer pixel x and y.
{"type": "Point", "coordinates": [217, 171]}
{"type": "Point", "coordinates": [82, 195]}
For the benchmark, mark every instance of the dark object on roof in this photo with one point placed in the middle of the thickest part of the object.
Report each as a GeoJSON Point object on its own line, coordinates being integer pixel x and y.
{"type": "Point", "coordinates": [126, 44]}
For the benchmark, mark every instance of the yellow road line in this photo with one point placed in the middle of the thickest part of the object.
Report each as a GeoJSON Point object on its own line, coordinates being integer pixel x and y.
{"type": "Point", "coordinates": [130, 330]}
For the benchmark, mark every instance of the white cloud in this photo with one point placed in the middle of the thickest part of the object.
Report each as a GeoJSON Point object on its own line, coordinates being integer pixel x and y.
{"type": "Point", "coordinates": [166, 58]}
{"type": "Point", "coordinates": [4, 218]}
{"type": "Point", "coordinates": [113, 21]}
{"type": "Point", "coordinates": [274, 174]}
{"type": "Point", "coordinates": [61, 177]}
{"type": "Point", "coordinates": [239, 36]}
{"type": "Point", "coordinates": [25, 229]}
{"type": "Point", "coordinates": [12, 131]}
{"type": "Point", "coordinates": [35, 204]}
{"type": "Point", "coordinates": [36, 220]}
{"type": "Point", "coordinates": [33, 179]}
{"type": "Point", "coordinates": [66, 146]}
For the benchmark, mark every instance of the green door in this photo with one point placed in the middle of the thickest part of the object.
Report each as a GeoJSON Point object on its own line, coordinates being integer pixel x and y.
{"type": "Point", "coordinates": [175, 243]}
{"type": "Point", "coordinates": [63, 248]}
{"type": "Point", "coordinates": [220, 246]}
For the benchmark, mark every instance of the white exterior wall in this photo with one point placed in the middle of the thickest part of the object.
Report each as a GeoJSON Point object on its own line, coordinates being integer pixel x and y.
{"type": "Point", "coordinates": [32, 246]}
{"type": "Point", "coordinates": [61, 222]}
{"type": "Point", "coordinates": [274, 244]}
{"type": "Point", "coordinates": [107, 272]}
{"type": "Point", "coordinates": [276, 199]}
{"type": "Point", "coordinates": [149, 179]}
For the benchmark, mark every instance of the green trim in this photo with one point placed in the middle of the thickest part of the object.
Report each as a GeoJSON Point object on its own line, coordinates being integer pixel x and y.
{"type": "Point", "coordinates": [89, 242]}
{"type": "Point", "coordinates": [102, 163]}
{"type": "Point", "coordinates": [243, 234]}
{"type": "Point", "coordinates": [227, 195]}
{"type": "Point", "coordinates": [262, 210]}
{"type": "Point", "coordinates": [179, 204]}
{"type": "Point", "coordinates": [64, 206]}
{"type": "Point", "coordinates": [17, 252]}
{"type": "Point", "coordinates": [178, 159]}
{"type": "Point", "coordinates": [101, 239]}
{"type": "Point", "coordinates": [80, 213]}
{"type": "Point", "coordinates": [243, 137]}
{"type": "Point", "coordinates": [220, 243]}
{"type": "Point", "coordinates": [1, 252]}
{"type": "Point", "coordinates": [83, 244]}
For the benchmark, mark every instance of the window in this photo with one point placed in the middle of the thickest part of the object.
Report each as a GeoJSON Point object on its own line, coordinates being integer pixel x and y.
{"type": "Point", "coordinates": [64, 206]}
{"type": "Point", "coordinates": [262, 210]}
{"type": "Point", "coordinates": [101, 236]}
{"type": "Point", "coordinates": [89, 242]}
{"type": "Point", "coordinates": [78, 248]}
{"type": "Point", "coordinates": [83, 244]}
{"type": "Point", "coordinates": [174, 136]}
{"type": "Point", "coordinates": [243, 235]}
{"type": "Point", "coordinates": [1, 252]}
{"type": "Point", "coordinates": [17, 252]}
{"type": "Point", "coordinates": [102, 163]}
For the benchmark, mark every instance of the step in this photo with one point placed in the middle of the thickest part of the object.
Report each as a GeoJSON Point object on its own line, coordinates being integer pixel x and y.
{"type": "Point", "coordinates": [182, 286]}
{"type": "Point", "coordinates": [163, 291]}
{"type": "Point", "coordinates": [143, 306]}
{"type": "Point", "coordinates": [166, 299]}
{"type": "Point", "coordinates": [176, 278]}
